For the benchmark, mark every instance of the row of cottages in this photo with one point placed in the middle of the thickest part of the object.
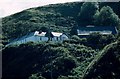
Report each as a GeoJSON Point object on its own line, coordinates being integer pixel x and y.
{"type": "Point", "coordinates": [40, 37]}
{"type": "Point", "coordinates": [104, 30]}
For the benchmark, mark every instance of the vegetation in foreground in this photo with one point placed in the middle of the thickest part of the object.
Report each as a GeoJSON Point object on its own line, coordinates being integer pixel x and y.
{"type": "Point", "coordinates": [46, 60]}
{"type": "Point", "coordinates": [68, 60]}
{"type": "Point", "coordinates": [61, 61]}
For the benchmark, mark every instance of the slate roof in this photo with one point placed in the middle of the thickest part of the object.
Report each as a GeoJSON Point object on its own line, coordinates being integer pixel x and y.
{"type": "Point", "coordinates": [101, 29]}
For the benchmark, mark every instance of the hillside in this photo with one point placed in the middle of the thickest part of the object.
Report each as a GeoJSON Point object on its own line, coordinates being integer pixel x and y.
{"type": "Point", "coordinates": [106, 65]}
{"type": "Point", "coordinates": [59, 17]}
{"type": "Point", "coordinates": [95, 57]}
{"type": "Point", "coordinates": [61, 60]}
{"type": "Point", "coordinates": [46, 59]}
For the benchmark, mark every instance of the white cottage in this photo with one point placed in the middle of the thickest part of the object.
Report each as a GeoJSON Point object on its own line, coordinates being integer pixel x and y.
{"type": "Point", "coordinates": [39, 37]}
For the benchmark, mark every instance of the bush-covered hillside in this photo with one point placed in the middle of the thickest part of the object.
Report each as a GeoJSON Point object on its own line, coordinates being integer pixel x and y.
{"type": "Point", "coordinates": [75, 58]}
{"type": "Point", "coordinates": [60, 61]}
{"type": "Point", "coordinates": [60, 18]}
{"type": "Point", "coordinates": [106, 65]}
{"type": "Point", "coordinates": [46, 60]}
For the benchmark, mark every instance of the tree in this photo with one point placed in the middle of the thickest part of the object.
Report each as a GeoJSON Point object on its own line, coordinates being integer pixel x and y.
{"type": "Point", "coordinates": [93, 40]}
{"type": "Point", "coordinates": [73, 30]}
{"type": "Point", "coordinates": [49, 35]}
{"type": "Point", "coordinates": [75, 37]}
{"type": "Point", "coordinates": [107, 17]}
{"type": "Point", "coordinates": [36, 76]}
{"type": "Point", "coordinates": [44, 29]}
{"type": "Point", "coordinates": [114, 5]}
{"type": "Point", "coordinates": [87, 13]}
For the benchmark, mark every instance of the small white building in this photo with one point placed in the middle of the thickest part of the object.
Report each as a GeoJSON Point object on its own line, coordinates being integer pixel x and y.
{"type": "Point", "coordinates": [39, 37]}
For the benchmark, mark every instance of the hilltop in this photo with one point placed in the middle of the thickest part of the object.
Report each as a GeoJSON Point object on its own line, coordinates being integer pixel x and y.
{"type": "Point", "coordinates": [59, 17]}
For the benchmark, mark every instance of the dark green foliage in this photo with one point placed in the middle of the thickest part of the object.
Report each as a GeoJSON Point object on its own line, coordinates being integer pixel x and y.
{"type": "Point", "coordinates": [59, 17]}
{"type": "Point", "coordinates": [67, 60]}
{"type": "Point", "coordinates": [67, 77]}
{"type": "Point", "coordinates": [98, 41]}
{"type": "Point", "coordinates": [94, 40]}
{"type": "Point", "coordinates": [75, 37]}
{"type": "Point", "coordinates": [73, 30]}
{"type": "Point", "coordinates": [36, 76]}
{"type": "Point", "coordinates": [87, 13]}
{"type": "Point", "coordinates": [115, 7]}
{"type": "Point", "coordinates": [108, 64]}
{"type": "Point", "coordinates": [49, 35]}
{"type": "Point", "coordinates": [107, 17]}
{"type": "Point", "coordinates": [43, 59]}
{"type": "Point", "coordinates": [44, 29]}
{"type": "Point", "coordinates": [60, 66]}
